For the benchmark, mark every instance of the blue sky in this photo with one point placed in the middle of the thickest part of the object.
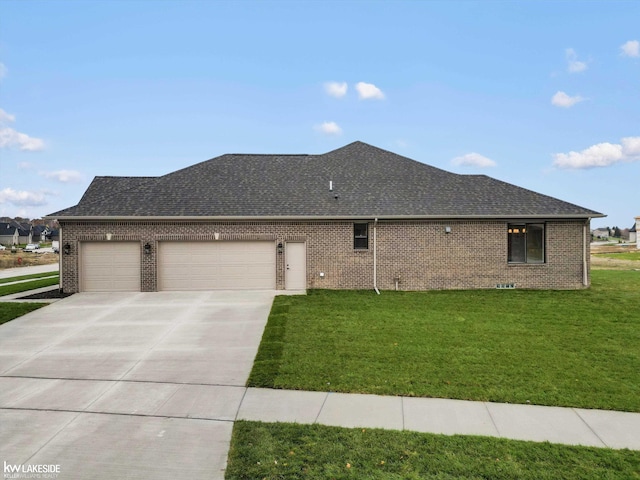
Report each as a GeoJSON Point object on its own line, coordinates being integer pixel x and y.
{"type": "Point", "coordinates": [545, 95]}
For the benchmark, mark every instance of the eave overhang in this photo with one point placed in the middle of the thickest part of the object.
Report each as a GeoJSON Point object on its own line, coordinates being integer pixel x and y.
{"type": "Point", "coordinates": [320, 218]}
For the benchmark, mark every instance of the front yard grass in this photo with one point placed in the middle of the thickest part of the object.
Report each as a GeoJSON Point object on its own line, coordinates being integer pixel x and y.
{"type": "Point", "coordinates": [28, 277]}
{"type": "Point", "coordinates": [290, 451]}
{"type": "Point", "coordinates": [574, 348]}
{"type": "Point", "coordinates": [10, 310]}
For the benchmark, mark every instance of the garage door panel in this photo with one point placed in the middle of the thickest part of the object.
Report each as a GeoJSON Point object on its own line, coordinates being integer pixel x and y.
{"type": "Point", "coordinates": [216, 265]}
{"type": "Point", "coordinates": [110, 266]}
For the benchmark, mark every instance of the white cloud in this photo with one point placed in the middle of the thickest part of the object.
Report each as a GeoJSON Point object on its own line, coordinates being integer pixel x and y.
{"type": "Point", "coordinates": [64, 176]}
{"type": "Point", "coordinates": [631, 48]}
{"type": "Point", "coordinates": [573, 64]}
{"type": "Point", "coordinates": [12, 138]}
{"type": "Point", "coordinates": [561, 99]}
{"type": "Point", "coordinates": [600, 155]}
{"type": "Point", "coordinates": [631, 146]}
{"type": "Point", "coordinates": [473, 160]}
{"type": "Point", "coordinates": [3, 71]}
{"type": "Point", "coordinates": [9, 195]}
{"type": "Point", "coordinates": [336, 89]}
{"type": "Point", "coordinates": [329, 128]}
{"type": "Point", "coordinates": [6, 117]}
{"type": "Point", "coordinates": [25, 166]}
{"type": "Point", "coordinates": [368, 90]}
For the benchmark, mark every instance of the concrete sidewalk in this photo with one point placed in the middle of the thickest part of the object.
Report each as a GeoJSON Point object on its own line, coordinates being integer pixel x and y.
{"type": "Point", "coordinates": [227, 403]}
{"type": "Point", "coordinates": [19, 271]}
{"type": "Point", "coordinates": [571, 426]}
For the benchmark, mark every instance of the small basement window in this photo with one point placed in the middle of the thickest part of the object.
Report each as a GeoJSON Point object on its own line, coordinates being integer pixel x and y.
{"type": "Point", "coordinates": [526, 243]}
{"type": "Point", "coordinates": [360, 236]}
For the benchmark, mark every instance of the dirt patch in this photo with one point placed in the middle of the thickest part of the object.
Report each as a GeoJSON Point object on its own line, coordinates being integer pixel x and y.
{"type": "Point", "coordinates": [613, 248]}
{"type": "Point", "coordinates": [605, 263]}
{"type": "Point", "coordinates": [22, 259]}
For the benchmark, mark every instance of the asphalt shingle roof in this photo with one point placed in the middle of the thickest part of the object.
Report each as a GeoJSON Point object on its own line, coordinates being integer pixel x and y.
{"type": "Point", "coordinates": [368, 182]}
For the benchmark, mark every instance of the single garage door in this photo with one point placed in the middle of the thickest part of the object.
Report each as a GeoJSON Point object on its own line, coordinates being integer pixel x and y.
{"type": "Point", "coordinates": [217, 265]}
{"type": "Point", "coordinates": [110, 266]}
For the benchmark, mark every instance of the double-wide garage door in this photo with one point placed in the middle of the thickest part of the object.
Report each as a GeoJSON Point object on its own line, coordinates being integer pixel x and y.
{"type": "Point", "coordinates": [242, 265]}
{"type": "Point", "coordinates": [238, 265]}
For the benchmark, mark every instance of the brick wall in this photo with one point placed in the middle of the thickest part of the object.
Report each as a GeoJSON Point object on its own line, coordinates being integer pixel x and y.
{"type": "Point", "coordinates": [419, 253]}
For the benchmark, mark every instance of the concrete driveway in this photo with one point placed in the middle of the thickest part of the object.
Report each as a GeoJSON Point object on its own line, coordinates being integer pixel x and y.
{"type": "Point", "coordinates": [128, 385]}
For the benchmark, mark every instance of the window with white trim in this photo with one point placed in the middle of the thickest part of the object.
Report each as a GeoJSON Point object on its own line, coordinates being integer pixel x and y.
{"type": "Point", "coordinates": [526, 242]}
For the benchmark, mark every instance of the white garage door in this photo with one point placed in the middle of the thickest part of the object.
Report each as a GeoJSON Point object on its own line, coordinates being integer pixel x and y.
{"type": "Point", "coordinates": [110, 266]}
{"type": "Point", "coordinates": [217, 266]}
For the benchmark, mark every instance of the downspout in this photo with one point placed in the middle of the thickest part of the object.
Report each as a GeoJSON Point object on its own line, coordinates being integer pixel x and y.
{"type": "Point", "coordinates": [60, 271]}
{"type": "Point", "coordinates": [375, 257]}
{"type": "Point", "coordinates": [585, 273]}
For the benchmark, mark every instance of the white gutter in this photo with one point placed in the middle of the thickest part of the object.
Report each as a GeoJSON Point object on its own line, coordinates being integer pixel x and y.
{"type": "Point", "coordinates": [585, 273]}
{"type": "Point", "coordinates": [375, 257]}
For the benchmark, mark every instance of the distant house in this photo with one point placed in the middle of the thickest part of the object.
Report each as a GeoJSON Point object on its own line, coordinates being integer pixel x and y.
{"type": "Point", "coordinates": [600, 233]}
{"type": "Point", "coordinates": [635, 232]}
{"type": "Point", "coordinates": [632, 233]}
{"type": "Point", "coordinates": [353, 218]}
{"type": "Point", "coordinates": [25, 233]}
{"type": "Point", "coordinates": [40, 233]}
{"type": "Point", "coordinates": [9, 234]}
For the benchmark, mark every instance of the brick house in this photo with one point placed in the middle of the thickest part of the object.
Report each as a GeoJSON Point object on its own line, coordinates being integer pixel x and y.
{"type": "Point", "coordinates": [354, 218]}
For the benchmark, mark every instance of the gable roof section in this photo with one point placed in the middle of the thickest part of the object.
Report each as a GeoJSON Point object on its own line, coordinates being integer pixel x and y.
{"type": "Point", "coordinates": [368, 182]}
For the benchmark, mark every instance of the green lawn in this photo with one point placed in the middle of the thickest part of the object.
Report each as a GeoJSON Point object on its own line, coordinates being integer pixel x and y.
{"type": "Point", "coordinates": [289, 451]}
{"type": "Point", "coordinates": [27, 277]}
{"type": "Point", "coordinates": [9, 310]}
{"type": "Point", "coordinates": [26, 286]}
{"type": "Point", "coordinates": [622, 255]}
{"type": "Point", "coordinates": [568, 348]}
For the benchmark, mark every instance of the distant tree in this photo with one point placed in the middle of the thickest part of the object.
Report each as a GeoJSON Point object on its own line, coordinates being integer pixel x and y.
{"type": "Point", "coordinates": [616, 232]}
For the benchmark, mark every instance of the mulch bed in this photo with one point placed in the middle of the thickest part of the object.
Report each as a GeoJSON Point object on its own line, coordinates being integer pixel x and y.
{"type": "Point", "coordinates": [55, 293]}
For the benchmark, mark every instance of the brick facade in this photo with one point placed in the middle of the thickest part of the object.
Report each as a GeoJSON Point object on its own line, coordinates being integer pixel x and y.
{"type": "Point", "coordinates": [418, 253]}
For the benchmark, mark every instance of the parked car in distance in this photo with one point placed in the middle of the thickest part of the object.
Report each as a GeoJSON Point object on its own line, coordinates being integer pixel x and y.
{"type": "Point", "coordinates": [2, 247]}
{"type": "Point", "coordinates": [32, 247]}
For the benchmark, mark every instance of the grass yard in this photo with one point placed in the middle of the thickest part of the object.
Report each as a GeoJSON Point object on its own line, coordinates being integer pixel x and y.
{"type": "Point", "coordinates": [566, 348]}
{"type": "Point", "coordinates": [635, 255]}
{"type": "Point", "coordinates": [26, 286]}
{"type": "Point", "coordinates": [289, 451]}
{"type": "Point", "coordinates": [27, 277]}
{"type": "Point", "coordinates": [9, 311]}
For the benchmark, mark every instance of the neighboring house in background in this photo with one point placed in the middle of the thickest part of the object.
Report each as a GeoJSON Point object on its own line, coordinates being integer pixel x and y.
{"type": "Point", "coordinates": [600, 233]}
{"type": "Point", "coordinates": [9, 234]}
{"type": "Point", "coordinates": [633, 234]}
{"type": "Point", "coordinates": [40, 233]}
{"type": "Point", "coordinates": [357, 217]}
{"type": "Point", "coordinates": [637, 228]}
{"type": "Point", "coordinates": [23, 230]}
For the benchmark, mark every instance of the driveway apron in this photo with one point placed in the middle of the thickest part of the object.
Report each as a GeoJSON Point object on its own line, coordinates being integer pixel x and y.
{"type": "Point", "coordinates": [128, 385]}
